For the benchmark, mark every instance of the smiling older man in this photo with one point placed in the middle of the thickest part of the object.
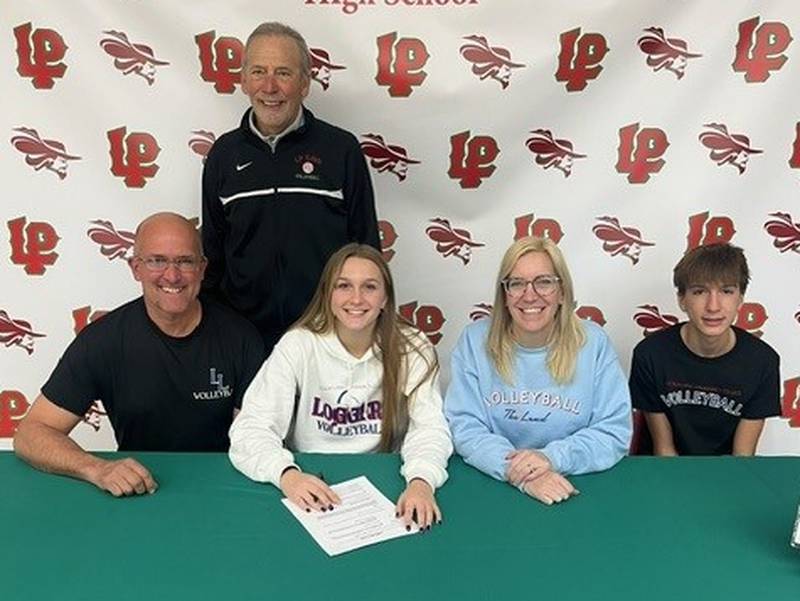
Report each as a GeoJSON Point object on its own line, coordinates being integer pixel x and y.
{"type": "Point", "coordinates": [171, 370]}
{"type": "Point", "coordinates": [281, 192]}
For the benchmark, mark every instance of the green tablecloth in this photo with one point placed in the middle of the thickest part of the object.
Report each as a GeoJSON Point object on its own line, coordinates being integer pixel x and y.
{"type": "Point", "coordinates": [649, 529]}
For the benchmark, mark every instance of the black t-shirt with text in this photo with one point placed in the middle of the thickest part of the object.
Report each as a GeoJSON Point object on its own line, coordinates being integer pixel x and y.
{"type": "Point", "coordinates": [161, 393]}
{"type": "Point", "coordinates": [704, 398]}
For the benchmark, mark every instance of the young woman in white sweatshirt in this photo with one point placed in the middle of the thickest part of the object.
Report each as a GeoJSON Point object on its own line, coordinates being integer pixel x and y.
{"type": "Point", "coordinates": [349, 377]}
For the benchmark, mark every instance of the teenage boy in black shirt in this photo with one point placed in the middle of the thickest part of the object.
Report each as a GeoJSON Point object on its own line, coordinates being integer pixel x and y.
{"type": "Point", "coordinates": [706, 386]}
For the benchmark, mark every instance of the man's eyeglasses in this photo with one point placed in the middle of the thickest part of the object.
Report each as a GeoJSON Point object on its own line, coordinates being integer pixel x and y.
{"type": "Point", "coordinates": [183, 264]}
{"type": "Point", "coordinates": [543, 285]}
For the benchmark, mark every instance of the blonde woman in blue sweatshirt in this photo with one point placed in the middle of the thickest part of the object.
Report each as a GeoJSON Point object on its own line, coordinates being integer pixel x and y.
{"type": "Point", "coordinates": [537, 394]}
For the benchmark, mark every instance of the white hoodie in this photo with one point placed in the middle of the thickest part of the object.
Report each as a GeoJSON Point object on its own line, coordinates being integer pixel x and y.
{"type": "Point", "coordinates": [319, 398]}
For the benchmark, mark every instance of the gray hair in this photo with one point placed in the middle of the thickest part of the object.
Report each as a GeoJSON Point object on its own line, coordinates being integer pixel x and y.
{"type": "Point", "coordinates": [275, 29]}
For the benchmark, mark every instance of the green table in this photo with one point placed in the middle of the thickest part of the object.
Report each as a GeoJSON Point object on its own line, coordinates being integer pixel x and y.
{"type": "Point", "coordinates": [650, 529]}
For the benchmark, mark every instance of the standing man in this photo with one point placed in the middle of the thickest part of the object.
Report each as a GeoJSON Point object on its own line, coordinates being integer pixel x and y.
{"type": "Point", "coordinates": [281, 192]}
{"type": "Point", "coordinates": [706, 386]}
{"type": "Point", "coordinates": [170, 370]}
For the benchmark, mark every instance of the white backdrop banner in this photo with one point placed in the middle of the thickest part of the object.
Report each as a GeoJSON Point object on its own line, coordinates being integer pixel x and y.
{"type": "Point", "coordinates": [626, 131]}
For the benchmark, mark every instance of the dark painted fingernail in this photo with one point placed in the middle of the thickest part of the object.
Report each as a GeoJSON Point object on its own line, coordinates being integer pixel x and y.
{"type": "Point", "coordinates": [397, 514]}
{"type": "Point", "coordinates": [330, 507]}
{"type": "Point", "coordinates": [408, 528]}
{"type": "Point", "coordinates": [323, 508]}
{"type": "Point", "coordinates": [308, 510]}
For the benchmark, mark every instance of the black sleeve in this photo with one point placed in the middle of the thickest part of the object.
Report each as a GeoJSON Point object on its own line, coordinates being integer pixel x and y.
{"type": "Point", "coordinates": [74, 384]}
{"type": "Point", "coordinates": [644, 393]}
{"type": "Point", "coordinates": [766, 401]}
{"type": "Point", "coordinates": [214, 227]}
{"type": "Point", "coordinates": [362, 221]}
{"type": "Point", "coordinates": [253, 357]}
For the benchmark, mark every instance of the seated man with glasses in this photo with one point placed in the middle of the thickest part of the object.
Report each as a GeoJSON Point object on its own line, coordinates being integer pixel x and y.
{"type": "Point", "coordinates": [169, 368]}
{"type": "Point", "coordinates": [704, 385]}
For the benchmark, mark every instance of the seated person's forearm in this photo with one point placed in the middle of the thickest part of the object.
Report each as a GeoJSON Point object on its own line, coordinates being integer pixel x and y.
{"type": "Point", "coordinates": [665, 449]}
{"type": "Point", "coordinates": [51, 451]}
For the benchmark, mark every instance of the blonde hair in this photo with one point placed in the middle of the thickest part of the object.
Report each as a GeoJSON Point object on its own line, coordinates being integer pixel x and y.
{"type": "Point", "coordinates": [393, 341]}
{"type": "Point", "coordinates": [567, 336]}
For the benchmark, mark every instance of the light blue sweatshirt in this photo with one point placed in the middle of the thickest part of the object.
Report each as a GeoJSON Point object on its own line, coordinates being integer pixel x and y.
{"type": "Point", "coordinates": [582, 427]}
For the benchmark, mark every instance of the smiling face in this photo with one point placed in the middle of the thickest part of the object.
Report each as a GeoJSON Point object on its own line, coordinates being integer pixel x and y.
{"type": "Point", "coordinates": [273, 78]}
{"type": "Point", "coordinates": [170, 294]}
{"type": "Point", "coordinates": [533, 315]}
{"type": "Point", "coordinates": [358, 296]}
{"type": "Point", "coordinates": [712, 308]}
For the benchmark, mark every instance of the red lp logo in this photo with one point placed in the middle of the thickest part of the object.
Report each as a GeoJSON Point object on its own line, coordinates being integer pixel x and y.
{"type": "Point", "coordinates": [220, 60]}
{"type": "Point", "coordinates": [526, 225]}
{"type": "Point", "coordinates": [400, 64]}
{"type": "Point", "coordinates": [33, 245]}
{"type": "Point", "coordinates": [39, 54]}
{"type": "Point", "coordinates": [428, 318]}
{"type": "Point", "coordinates": [790, 403]}
{"type": "Point", "coordinates": [83, 316]}
{"type": "Point", "coordinates": [471, 158]}
{"type": "Point", "coordinates": [580, 57]}
{"type": "Point", "coordinates": [704, 230]}
{"type": "Point", "coordinates": [388, 237]}
{"type": "Point", "coordinates": [759, 50]}
{"type": "Point", "coordinates": [639, 152]}
{"type": "Point", "coordinates": [133, 156]}
{"type": "Point", "coordinates": [13, 407]}
{"type": "Point", "coordinates": [752, 317]}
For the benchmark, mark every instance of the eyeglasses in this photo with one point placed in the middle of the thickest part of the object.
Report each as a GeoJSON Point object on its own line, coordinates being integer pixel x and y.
{"type": "Point", "coordinates": [183, 264]}
{"type": "Point", "coordinates": [543, 285]}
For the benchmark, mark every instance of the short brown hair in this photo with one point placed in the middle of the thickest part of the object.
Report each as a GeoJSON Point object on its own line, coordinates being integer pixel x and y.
{"type": "Point", "coordinates": [719, 263]}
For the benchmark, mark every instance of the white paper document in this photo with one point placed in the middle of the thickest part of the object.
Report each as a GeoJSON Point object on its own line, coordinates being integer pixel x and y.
{"type": "Point", "coordinates": [365, 517]}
